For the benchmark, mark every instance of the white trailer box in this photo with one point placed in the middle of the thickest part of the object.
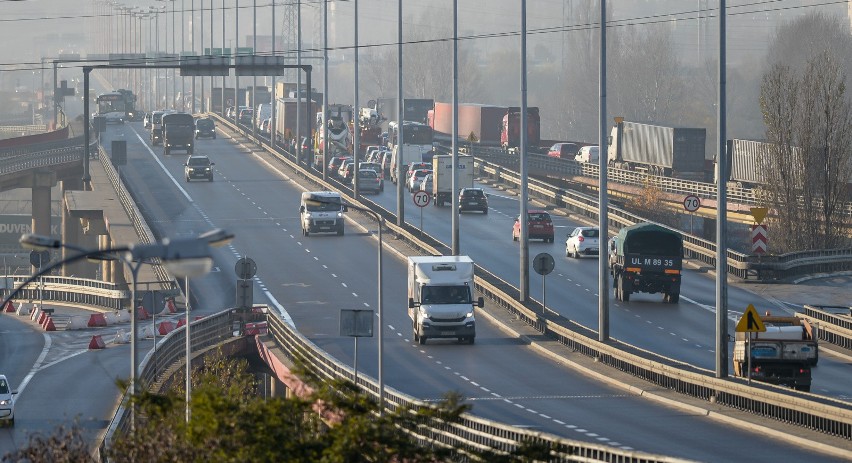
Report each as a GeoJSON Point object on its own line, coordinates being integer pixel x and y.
{"type": "Point", "coordinates": [440, 298]}
{"type": "Point", "coordinates": [442, 180]}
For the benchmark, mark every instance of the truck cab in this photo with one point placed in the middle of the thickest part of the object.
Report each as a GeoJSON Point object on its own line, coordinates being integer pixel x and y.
{"type": "Point", "coordinates": [440, 298]}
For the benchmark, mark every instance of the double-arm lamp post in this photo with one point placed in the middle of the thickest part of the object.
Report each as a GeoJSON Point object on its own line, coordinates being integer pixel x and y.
{"type": "Point", "coordinates": [316, 201]}
{"type": "Point", "coordinates": [184, 258]}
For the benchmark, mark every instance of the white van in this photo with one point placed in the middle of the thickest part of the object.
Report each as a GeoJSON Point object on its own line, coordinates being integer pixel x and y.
{"type": "Point", "coordinates": [321, 211]}
{"type": "Point", "coordinates": [587, 154]}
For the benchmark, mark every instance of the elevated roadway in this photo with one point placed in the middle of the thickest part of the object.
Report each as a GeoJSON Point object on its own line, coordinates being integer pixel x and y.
{"type": "Point", "coordinates": [313, 278]}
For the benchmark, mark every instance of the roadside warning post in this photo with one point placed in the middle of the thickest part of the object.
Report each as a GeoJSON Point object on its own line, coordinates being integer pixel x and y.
{"type": "Point", "coordinates": [749, 323]}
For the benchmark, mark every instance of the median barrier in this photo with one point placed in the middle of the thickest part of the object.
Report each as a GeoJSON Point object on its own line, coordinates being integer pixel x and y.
{"type": "Point", "coordinates": [23, 310]}
{"type": "Point", "coordinates": [142, 314]}
{"type": "Point", "coordinates": [97, 342]}
{"type": "Point", "coordinates": [48, 324]}
{"type": "Point", "coordinates": [77, 322]}
{"type": "Point", "coordinates": [96, 319]}
{"type": "Point", "coordinates": [119, 316]}
{"type": "Point", "coordinates": [10, 307]}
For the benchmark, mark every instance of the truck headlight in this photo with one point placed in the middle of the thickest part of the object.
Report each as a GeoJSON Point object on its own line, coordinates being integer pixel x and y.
{"type": "Point", "coordinates": [307, 215]}
{"type": "Point", "coordinates": [469, 314]}
{"type": "Point", "coordinates": [339, 215]}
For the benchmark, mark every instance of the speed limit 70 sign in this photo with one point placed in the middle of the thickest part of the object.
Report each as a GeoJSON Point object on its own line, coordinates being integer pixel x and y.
{"type": "Point", "coordinates": [421, 198]}
{"type": "Point", "coordinates": [691, 203]}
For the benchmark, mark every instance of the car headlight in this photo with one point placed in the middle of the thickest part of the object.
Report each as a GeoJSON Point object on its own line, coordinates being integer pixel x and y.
{"type": "Point", "coordinates": [307, 215]}
{"type": "Point", "coordinates": [469, 314]}
{"type": "Point", "coordinates": [6, 402]}
{"type": "Point", "coordinates": [339, 214]}
{"type": "Point", "coordinates": [207, 169]}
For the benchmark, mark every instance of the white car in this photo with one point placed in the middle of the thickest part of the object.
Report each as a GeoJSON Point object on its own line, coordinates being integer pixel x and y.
{"type": "Point", "coordinates": [7, 402]}
{"type": "Point", "coordinates": [426, 184]}
{"type": "Point", "coordinates": [587, 154]}
{"type": "Point", "coordinates": [582, 241]}
{"type": "Point", "coordinates": [416, 179]}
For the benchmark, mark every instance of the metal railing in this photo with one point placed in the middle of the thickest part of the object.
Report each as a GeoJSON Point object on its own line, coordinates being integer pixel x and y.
{"type": "Point", "coordinates": [21, 130]}
{"type": "Point", "coordinates": [40, 147]}
{"type": "Point", "coordinates": [50, 158]}
{"type": "Point", "coordinates": [746, 196]}
{"type": "Point", "coordinates": [69, 291]}
{"type": "Point", "coordinates": [834, 324]}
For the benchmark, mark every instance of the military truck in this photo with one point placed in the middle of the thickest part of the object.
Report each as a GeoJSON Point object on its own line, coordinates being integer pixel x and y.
{"type": "Point", "coordinates": [646, 258]}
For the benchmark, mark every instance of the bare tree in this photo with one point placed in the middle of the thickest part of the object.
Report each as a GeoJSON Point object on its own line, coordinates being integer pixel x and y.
{"type": "Point", "coordinates": [808, 117]}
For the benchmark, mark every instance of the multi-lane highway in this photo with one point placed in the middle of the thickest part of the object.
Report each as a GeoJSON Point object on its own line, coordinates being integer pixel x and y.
{"type": "Point", "coordinates": [313, 278]}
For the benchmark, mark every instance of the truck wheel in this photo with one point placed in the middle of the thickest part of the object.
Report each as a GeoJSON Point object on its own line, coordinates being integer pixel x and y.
{"type": "Point", "coordinates": [422, 339]}
{"type": "Point", "coordinates": [798, 388]}
{"type": "Point", "coordinates": [340, 231]}
{"type": "Point", "coordinates": [471, 339]}
{"type": "Point", "coordinates": [672, 298]}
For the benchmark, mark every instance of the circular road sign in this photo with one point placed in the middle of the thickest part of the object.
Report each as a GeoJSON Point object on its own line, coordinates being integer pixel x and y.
{"type": "Point", "coordinates": [245, 268]}
{"type": "Point", "coordinates": [421, 198]}
{"type": "Point", "coordinates": [38, 259]}
{"type": "Point", "coordinates": [543, 263]}
{"type": "Point", "coordinates": [691, 203]}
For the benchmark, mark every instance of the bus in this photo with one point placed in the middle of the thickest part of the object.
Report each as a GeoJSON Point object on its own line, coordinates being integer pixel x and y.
{"type": "Point", "coordinates": [113, 107]}
{"type": "Point", "coordinates": [415, 133]}
{"type": "Point", "coordinates": [416, 145]}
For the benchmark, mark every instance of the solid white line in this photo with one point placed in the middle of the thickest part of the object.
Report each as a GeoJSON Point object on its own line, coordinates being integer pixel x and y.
{"type": "Point", "coordinates": [162, 166]}
{"type": "Point", "coordinates": [37, 365]}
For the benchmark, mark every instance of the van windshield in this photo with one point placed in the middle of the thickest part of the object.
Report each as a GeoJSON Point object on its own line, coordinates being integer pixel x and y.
{"type": "Point", "coordinates": [327, 204]}
{"type": "Point", "coordinates": [445, 295]}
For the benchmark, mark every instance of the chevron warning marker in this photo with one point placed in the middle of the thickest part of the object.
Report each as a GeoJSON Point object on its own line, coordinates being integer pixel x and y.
{"type": "Point", "coordinates": [759, 239]}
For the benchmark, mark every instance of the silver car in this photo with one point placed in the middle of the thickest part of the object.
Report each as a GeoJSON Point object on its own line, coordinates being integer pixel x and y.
{"type": "Point", "coordinates": [582, 241]}
{"type": "Point", "coordinates": [7, 402]}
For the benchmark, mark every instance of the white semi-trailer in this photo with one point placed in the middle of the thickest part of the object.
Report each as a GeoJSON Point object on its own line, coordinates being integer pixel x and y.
{"type": "Point", "coordinates": [440, 298]}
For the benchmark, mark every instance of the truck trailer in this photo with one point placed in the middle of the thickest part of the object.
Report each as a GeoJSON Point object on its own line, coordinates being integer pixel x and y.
{"type": "Point", "coordinates": [646, 258]}
{"type": "Point", "coordinates": [286, 113]}
{"type": "Point", "coordinates": [782, 355]}
{"type": "Point", "coordinates": [478, 123]}
{"type": "Point", "coordinates": [442, 177]}
{"type": "Point", "coordinates": [510, 132]}
{"type": "Point", "coordinates": [440, 298]}
{"type": "Point", "coordinates": [658, 150]}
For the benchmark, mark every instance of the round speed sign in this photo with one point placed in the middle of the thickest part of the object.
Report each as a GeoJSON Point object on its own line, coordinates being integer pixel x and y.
{"type": "Point", "coordinates": [691, 203]}
{"type": "Point", "coordinates": [421, 198]}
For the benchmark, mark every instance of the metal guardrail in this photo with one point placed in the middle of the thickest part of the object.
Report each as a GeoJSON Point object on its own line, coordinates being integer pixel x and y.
{"type": "Point", "coordinates": [747, 196]}
{"type": "Point", "coordinates": [826, 415]}
{"type": "Point", "coordinates": [69, 291]}
{"type": "Point", "coordinates": [51, 158]}
{"type": "Point", "coordinates": [22, 129]}
{"type": "Point", "coordinates": [40, 147]}
{"type": "Point", "coordinates": [834, 324]}
{"type": "Point", "coordinates": [144, 233]}
{"type": "Point", "coordinates": [740, 265]}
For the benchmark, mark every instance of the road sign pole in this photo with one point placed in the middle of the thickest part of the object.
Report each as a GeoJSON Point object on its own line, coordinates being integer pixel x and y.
{"type": "Point", "coordinates": [421, 222]}
{"type": "Point", "coordinates": [543, 294]}
{"type": "Point", "coordinates": [748, 358]}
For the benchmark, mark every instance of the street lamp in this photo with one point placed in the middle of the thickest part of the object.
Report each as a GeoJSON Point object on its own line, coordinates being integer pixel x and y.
{"type": "Point", "coordinates": [315, 201]}
{"type": "Point", "coordinates": [184, 258]}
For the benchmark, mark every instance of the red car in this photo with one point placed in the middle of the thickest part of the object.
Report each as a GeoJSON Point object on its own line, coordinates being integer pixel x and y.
{"type": "Point", "coordinates": [563, 150]}
{"type": "Point", "coordinates": [539, 226]}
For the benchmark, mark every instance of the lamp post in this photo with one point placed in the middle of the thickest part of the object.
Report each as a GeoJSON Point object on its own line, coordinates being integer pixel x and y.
{"type": "Point", "coordinates": [381, 222]}
{"type": "Point", "coordinates": [182, 257]}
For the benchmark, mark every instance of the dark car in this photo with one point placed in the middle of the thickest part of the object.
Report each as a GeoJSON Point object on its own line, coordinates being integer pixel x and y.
{"type": "Point", "coordinates": [246, 116]}
{"type": "Point", "coordinates": [205, 128]}
{"type": "Point", "coordinates": [473, 199]}
{"type": "Point", "coordinates": [198, 167]}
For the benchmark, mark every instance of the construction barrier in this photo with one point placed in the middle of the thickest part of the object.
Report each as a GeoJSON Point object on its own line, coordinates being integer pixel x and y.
{"type": "Point", "coordinates": [121, 337]}
{"type": "Point", "coordinates": [181, 322]}
{"type": "Point", "coordinates": [77, 322]}
{"type": "Point", "coordinates": [42, 315]}
{"type": "Point", "coordinates": [142, 314]}
{"type": "Point", "coordinates": [35, 313]}
{"type": "Point", "coordinates": [97, 342]}
{"type": "Point", "coordinates": [120, 316]}
{"type": "Point", "coordinates": [48, 324]}
{"type": "Point", "coordinates": [165, 327]}
{"type": "Point", "coordinates": [23, 310]}
{"type": "Point", "coordinates": [97, 319]}
{"type": "Point", "coordinates": [168, 308]}
{"type": "Point", "coordinates": [10, 307]}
